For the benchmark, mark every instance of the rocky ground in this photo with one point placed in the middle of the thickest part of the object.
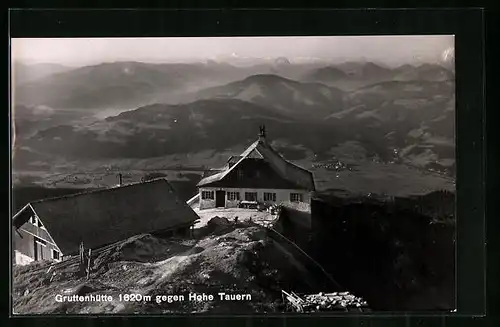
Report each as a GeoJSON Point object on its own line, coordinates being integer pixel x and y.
{"type": "Point", "coordinates": [234, 259]}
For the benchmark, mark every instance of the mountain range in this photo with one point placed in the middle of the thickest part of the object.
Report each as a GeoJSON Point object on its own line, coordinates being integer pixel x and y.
{"type": "Point", "coordinates": [23, 73]}
{"type": "Point", "coordinates": [355, 75]}
{"type": "Point", "coordinates": [405, 114]}
{"type": "Point", "coordinates": [132, 84]}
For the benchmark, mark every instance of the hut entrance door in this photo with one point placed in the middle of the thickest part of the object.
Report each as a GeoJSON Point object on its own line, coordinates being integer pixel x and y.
{"type": "Point", "coordinates": [220, 199]}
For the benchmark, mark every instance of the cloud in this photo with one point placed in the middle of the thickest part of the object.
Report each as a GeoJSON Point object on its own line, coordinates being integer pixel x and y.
{"type": "Point", "coordinates": [42, 110]}
{"type": "Point", "coordinates": [448, 55]}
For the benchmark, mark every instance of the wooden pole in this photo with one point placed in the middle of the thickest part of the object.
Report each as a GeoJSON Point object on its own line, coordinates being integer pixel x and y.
{"type": "Point", "coordinates": [88, 264]}
{"type": "Point", "coordinates": [52, 277]}
{"type": "Point", "coordinates": [81, 253]}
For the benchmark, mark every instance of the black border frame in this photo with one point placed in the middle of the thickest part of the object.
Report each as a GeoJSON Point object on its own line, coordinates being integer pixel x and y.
{"type": "Point", "coordinates": [466, 24]}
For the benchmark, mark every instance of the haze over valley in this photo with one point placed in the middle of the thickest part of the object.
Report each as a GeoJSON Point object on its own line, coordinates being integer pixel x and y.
{"type": "Point", "coordinates": [320, 113]}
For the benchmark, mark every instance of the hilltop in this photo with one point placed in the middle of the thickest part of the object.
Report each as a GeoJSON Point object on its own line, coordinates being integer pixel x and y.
{"type": "Point", "coordinates": [289, 97]}
{"type": "Point", "coordinates": [233, 259]}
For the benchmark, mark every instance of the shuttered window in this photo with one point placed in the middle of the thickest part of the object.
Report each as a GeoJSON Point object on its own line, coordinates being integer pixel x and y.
{"type": "Point", "coordinates": [296, 197]}
{"type": "Point", "coordinates": [269, 196]}
{"type": "Point", "coordinates": [207, 195]}
{"type": "Point", "coordinates": [250, 196]}
{"type": "Point", "coordinates": [56, 255]}
{"type": "Point", "coordinates": [40, 241]}
{"type": "Point", "coordinates": [233, 196]}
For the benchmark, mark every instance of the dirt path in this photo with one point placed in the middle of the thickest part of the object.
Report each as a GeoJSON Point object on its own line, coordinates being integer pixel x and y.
{"type": "Point", "coordinates": [168, 266]}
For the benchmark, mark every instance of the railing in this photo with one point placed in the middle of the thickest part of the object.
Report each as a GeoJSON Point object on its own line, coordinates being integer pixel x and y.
{"type": "Point", "coordinates": [77, 259]}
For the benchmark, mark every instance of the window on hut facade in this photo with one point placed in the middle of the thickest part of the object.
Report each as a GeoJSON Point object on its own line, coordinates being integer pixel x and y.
{"type": "Point", "coordinates": [40, 241]}
{"type": "Point", "coordinates": [295, 197]}
{"type": "Point", "coordinates": [56, 255]}
{"type": "Point", "coordinates": [39, 223]}
{"type": "Point", "coordinates": [233, 196]}
{"type": "Point", "coordinates": [269, 196]}
{"type": "Point", "coordinates": [250, 196]}
{"type": "Point", "coordinates": [207, 195]}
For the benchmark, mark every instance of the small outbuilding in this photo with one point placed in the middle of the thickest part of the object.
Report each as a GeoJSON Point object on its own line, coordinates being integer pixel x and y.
{"type": "Point", "coordinates": [54, 228]}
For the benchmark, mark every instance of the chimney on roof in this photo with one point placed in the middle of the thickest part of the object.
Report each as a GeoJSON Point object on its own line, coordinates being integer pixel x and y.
{"type": "Point", "coordinates": [262, 133]}
{"type": "Point", "coordinates": [120, 179]}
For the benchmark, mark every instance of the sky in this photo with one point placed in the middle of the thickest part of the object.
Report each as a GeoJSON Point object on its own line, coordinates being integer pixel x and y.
{"type": "Point", "coordinates": [85, 51]}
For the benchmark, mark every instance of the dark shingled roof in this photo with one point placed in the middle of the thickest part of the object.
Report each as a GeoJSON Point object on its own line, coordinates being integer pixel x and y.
{"type": "Point", "coordinates": [260, 149]}
{"type": "Point", "coordinates": [233, 159]}
{"type": "Point", "coordinates": [105, 216]}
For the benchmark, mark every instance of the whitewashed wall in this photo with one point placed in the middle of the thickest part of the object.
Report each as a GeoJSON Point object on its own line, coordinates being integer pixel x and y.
{"type": "Point", "coordinates": [281, 196]}
{"type": "Point", "coordinates": [21, 259]}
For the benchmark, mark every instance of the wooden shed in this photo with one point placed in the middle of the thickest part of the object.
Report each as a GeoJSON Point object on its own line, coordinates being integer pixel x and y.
{"type": "Point", "coordinates": [54, 228]}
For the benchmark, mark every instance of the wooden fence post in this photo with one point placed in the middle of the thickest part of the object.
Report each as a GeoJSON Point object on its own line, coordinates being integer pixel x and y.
{"type": "Point", "coordinates": [81, 253]}
{"type": "Point", "coordinates": [88, 264]}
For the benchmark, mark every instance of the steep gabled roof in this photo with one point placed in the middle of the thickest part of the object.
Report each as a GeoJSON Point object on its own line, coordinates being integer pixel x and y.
{"type": "Point", "coordinates": [262, 150]}
{"type": "Point", "coordinates": [232, 160]}
{"type": "Point", "coordinates": [105, 216]}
